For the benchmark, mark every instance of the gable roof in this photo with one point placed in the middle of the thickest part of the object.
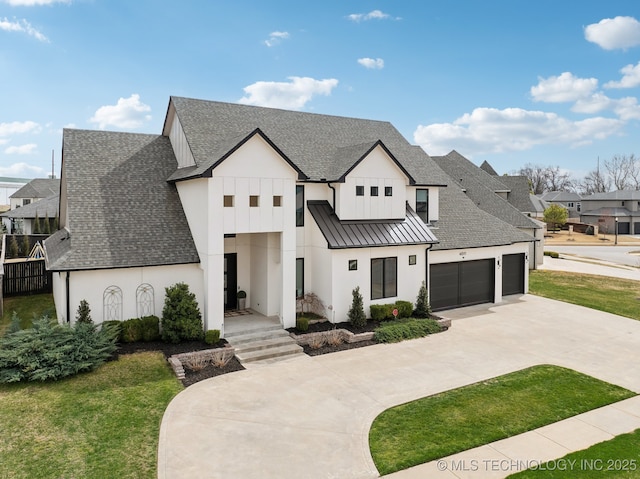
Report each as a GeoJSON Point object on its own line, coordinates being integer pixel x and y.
{"type": "Point", "coordinates": [520, 195]}
{"type": "Point", "coordinates": [121, 210]}
{"type": "Point", "coordinates": [474, 182]}
{"type": "Point", "coordinates": [561, 196]}
{"type": "Point", "coordinates": [43, 208]}
{"type": "Point", "coordinates": [485, 166]}
{"type": "Point", "coordinates": [322, 147]}
{"type": "Point", "coordinates": [371, 233]}
{"type": "Point", "coordinates": [38, 188]}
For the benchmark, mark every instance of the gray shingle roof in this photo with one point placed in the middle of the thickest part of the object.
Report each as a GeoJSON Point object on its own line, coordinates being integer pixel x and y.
{"type": "Point", "coordinates": [561, 196]}
{"type": "Point", "coordinates": [620, 195]}
{"type": "Point", "coordinates": [519, 194]}
{"type": "Point", "coordinates": [39, 188]}
{"type": "Point", "coordinates": [364, 234]}
{"type": "Point", "coordinates": [481, 191]}
{"type": "Point", "coordinates": [45, 207]}
{"type": "Point", "coordinates": [122, 212]}
{"type": "Point", "coordinates": [485, 166]}
{"type": "Point", "coordinates": [321, 146]}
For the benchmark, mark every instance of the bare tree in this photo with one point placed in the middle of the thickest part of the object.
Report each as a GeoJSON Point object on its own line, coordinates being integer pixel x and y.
{"type": "Point", "coordinates": [619, 169]}
{"type": "Point", "coordinates": [634, 172]}
{"type": "Point", "coordinates": [594, 182]}
{"type": "Point", "coordinates": [557, 180]}
{"type": "Point", "coordinates": [537, 176]}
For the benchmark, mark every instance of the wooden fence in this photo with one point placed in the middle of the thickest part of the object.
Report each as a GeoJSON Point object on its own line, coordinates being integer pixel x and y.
{"type": "Point", "coordinates": [26, 277]}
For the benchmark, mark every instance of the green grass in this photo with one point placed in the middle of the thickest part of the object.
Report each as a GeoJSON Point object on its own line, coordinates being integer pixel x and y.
{"type": "Point", "coordinates": [618, 458]}
{"type": "Point", "coordinates": [27, 307]}
{"type": "Point", "coordinates": [613, 295]}
{"type": "Point", "coordinates": [100, 424]}
{"type": "Point", "coordinates": [470, 416]}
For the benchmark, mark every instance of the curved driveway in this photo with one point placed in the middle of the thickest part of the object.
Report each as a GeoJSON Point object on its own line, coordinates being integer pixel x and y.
{"type": "Point", "coordinates": [309, 417]}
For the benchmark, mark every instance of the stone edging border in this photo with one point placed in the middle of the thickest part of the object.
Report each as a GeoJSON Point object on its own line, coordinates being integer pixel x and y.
{"type": "Point", "coordinates": [175, 361]}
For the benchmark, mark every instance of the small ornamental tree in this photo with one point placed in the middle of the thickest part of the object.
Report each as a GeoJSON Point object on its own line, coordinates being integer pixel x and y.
{"type": "Point", "coordinates": [26, 246]}
{"type": "Point", "coordinates": [56, 223]}
{"type": "Point", "coordinates": [556, 215]}
{"type": "Point", "coordinates": [83, 315]}
{"type": "Point", "coordinates": [36, 225]}
{"type": "Point", "coordinates": [14, 251]}
{"type": "Point", "coordinates": [356, 313]}
{"type": "Point", "coordinates": [423, 307]}
{"type": "Point", "coordinates": [181, 318]}
{"type": "Point", "coordinates": [47, 225]}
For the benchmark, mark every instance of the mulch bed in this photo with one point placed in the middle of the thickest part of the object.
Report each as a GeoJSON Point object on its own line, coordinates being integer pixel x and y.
{"type": "Point", "coordinates": [332, 349]}
{"type": "Point", "coordinates": [328, 326]}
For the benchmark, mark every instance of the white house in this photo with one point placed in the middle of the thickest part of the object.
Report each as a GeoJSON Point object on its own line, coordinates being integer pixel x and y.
{"type": "Point", "coordinates": [275, 203]}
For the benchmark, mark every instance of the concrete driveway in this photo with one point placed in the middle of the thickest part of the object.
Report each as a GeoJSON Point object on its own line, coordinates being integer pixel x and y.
{"type": "Point", "coordinates": [609, 253]}
{"type": "Point", "coordinates": [310, 417]}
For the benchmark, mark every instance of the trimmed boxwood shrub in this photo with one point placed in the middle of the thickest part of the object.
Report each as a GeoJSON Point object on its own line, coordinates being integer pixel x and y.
{"type": "Point", "coordinates": [302, 323]}
{"type": "Point", "coordinates": [400, 330]}
{"type": "Point", "coordinates": [384, 312]}
{"type": "Point", "coordinates": [212, 336]}
{"type": "Point", "coordinates": [552, 254]}
{"type": "Point", "coordinates": [405, 309]}
{"type": "Point", "coordinates": [131, 330]}
{"type": "Point", "coordinates": [150, 328]}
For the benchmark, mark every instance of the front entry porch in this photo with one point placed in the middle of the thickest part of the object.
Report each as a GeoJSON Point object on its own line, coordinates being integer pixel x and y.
{"type": "Point", "coordinates": [247, 320]}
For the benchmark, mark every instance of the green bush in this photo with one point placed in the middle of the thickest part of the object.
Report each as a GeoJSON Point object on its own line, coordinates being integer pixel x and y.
{"type": "Point", "coordinates": [423, 307]}
{"type": "Point", "coordinates": [49, 351]}
{"type": "Point", "coordinates": [150, 328]}
{"type": "Point", "coordinates": [181, 319]}
{"type": "Point", "coordinates": [212, 336]}
{"type": "Point", "coordinates": [552, 254]}
{"type": "Point", "coordinates": [113, 328]}
{"type": "Point", "coordinates": [83, 314]}
{"type": "Point", "coordinates": [356, 313]}
{"type": "Point", "coordinates": [400, 330]}
{"type": "Point", "coordinates": [381, 312]}
{"type": "Point", "coordinates": [131, 330]}
{"type": "Point", "coordinates": [302, 323]}
{"type": "Point", "coordinates": [405, 309]}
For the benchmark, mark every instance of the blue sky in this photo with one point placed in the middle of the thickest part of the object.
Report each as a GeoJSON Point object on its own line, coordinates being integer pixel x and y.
{"type": "Point", "coordinates": [547, 82]}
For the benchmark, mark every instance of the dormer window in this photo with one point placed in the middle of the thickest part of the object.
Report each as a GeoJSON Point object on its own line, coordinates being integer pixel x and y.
{"type": "Point", "coordinates": [374, 191]}
{"type": "Point", "coordinates": [359, 190]}
{"type": "Point", "coordinates": [388, 191]}
{"type": "Point", "coordinates": [422, 204]}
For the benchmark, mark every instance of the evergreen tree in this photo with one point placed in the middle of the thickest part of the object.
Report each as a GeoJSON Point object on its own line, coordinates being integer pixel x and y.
{"type": "Point", "coordinates": [14, 251]}
{"type": "Point", "coordinates": [36, 225]}
{"type": "Point", "coordinates": [423, 307]}
{"type": "Point", "coordinates": [56, 223]}
{"type": "Point", "coordinates": [356, 312]}
{"type": "Point", "coordinates": [26, 246]}
{"type": "Point", "coordinates": [83, 315]}
{"type": "Point", "coordinates": [181, 318]}
{"type": "Point", "coordinates": [47, 225]}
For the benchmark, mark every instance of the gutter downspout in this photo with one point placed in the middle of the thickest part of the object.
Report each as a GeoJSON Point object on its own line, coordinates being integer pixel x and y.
{"type": "Point", "coordinates": [68, 305]}
{"type": "Point", "coordinates": [334, 196]}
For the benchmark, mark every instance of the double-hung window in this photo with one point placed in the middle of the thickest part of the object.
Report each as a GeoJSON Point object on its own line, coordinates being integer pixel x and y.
{"type": "Point", "coordinates": [384, 278]}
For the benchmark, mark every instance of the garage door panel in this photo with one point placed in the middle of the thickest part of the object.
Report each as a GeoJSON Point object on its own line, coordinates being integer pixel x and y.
{"type": "Point", "coordinates": [461, 284]}
{"type": "Point", "coordinates": [478, 282]}
{"type": "Point", "coordinates": [513, 269]}
{"type": "Point", "coordinates": [623, 228]}
{"type": "Point", "coordinates": [444, 285]}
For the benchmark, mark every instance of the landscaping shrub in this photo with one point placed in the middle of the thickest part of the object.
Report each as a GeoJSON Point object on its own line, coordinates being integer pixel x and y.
{"type": "Point", "coordinates": [181, 319]}
{"type": "Point", "coordinates": [131, 330]}
{"type": "Point", "coordinates": [114, 328]}
{"type": "Point", "coordinates": [400, 330]}
{"type": "Point", "coordinates": [49, 351]}
{"type": "Point", "coordinates": [405, 309]}
{"type": "Point", "coordinates": [212, 336]}
{"type": "Point", "coordinates": [423, 307]}
{"type": "Point", "coordinates": [302, 323]}
{"type": "Point", "coordinates": [150, 326]}
{"type": "Point", "coordinates": [552, 254]}
{"type": "Point", "coordinates": [381, 312]}
{"type": "Point", "coordinates": [356, 312]}
{"type": "Point", "coordinates": [83, 314]}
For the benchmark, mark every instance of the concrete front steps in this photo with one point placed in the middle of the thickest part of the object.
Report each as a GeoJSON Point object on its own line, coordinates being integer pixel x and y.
{"type": "Point", "coordinates": [266, 344]}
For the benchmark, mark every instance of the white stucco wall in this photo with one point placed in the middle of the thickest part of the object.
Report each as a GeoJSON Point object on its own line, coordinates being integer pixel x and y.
{"type": "Point", "coordinates": [91, 285]}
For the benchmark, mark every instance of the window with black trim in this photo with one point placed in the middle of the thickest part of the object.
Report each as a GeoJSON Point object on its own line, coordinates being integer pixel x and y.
{"type": "Point", "coordinates": [359, 190]}
{"type": "Point", "coordinates": [388, 191]}
{"type": "Point", "coordinates": [353, 265]}
{"type": "Point", "coordinates": [228, 201]}
{"type": "Point", "coordinates": [412, 259]}
{"type": "Point", "coordinates": [299, 205]}
{"type": "Point", "coordinates": [384, 278]}
{"type": "Point", "coordinates": [422, 204]}
{"type": "Point", "coordinates": [277, 201]}
{"type": "Point", "coordinates": [299, 277]}
{"type": "Point", "coordinates": [374, 191]}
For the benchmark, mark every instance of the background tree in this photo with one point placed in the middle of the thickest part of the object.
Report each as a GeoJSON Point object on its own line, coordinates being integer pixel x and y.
{"type": "Point", "coordinates": [36, 225]}
{"type": "Point", "coordinates": [26, 246]}
{"type": "Point", "coordinates": [47, 225]}
{"type": "Point", "coordinates": [619, 168]}
{"type": "Point", "coordinates": [594, 182]}
{"type": "Point", "coordinates": [546, 178]}
{"type": "Point", "coordinates": [556, 215]}
{"type": "Point", "coordinates": [14, 250]}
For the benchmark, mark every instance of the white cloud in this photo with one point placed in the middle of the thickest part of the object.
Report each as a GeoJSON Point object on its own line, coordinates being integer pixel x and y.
{"type": "Point", "coordinates": [378, 63]}
{"type": "Point", "coordinates": [592, 104]}
{"type": "Point", "coordinates": [612, 33]}
{"type": "Point", "coordinates": [488, 130]}
{"type": "Point", "coordinates": [290, 95]}
{"type": "Point", "coordinates": [563, 88]}
{"type": "Point", "coordinates": [275, 38]}
{"type": "Point", "coordinates": [372, 15]}
{"type": "Point", "coordinates": [128, 113]}
{"type": "Point", "coordinates": [21, 150]}
{"type": "Point", "coordinates": [31, 3]}
{"type": "Point", "coordinates": [18, 127]}
{"type": "Point", "coordinates": [21, 26]}
{"type": "Point", "coordinates": [630, 78]}
{"type": "Point", "coordinates": [22, 170]}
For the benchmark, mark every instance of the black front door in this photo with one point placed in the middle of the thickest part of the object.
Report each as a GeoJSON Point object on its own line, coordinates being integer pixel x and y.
{"type": "Point", "coordinates": [230, 281]}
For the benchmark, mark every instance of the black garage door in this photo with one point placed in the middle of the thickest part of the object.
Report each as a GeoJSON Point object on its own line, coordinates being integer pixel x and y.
{"type": "Point", "coordinates": [636, 228]}
{"type": "Point", "coordinates": [623, 228]}
{"type": "Point", "coordinates": [513, 274]}
{"type": "Point", "coordinates": [462, 284]}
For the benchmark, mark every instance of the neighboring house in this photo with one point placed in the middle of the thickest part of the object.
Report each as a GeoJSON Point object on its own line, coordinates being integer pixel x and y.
{"type": "Point", "coordinates": [275, 203]}
{"type": "Point", "coordinates": [602, 209]}
{"type": "Point", "coordinates": [571, 201]}
{"type": "Point", "coordinates": [491, 194]}
{"type": "Point", "coordinates": [35, 190]}
{"type": "Point", "coordinates": [21, 220]}
{"type": "Point", "coordinates": [9, 186]}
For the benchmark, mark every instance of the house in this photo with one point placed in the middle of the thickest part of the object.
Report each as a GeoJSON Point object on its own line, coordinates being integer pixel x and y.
{"type": "Point", "coordinates": [607, 209]}
{"type": "Point", "coordinates": [491, 194]}
{"type": "Point", "coordinates": [273, 203]}
{"type": "Point", "coordinates": [22, 220]}
{"type": "Point", "coordinates": [35, 190]}
{"type": "Point", "coordinates": [9, 186]}
{"type": "Point", "coordinates": [568, 199]}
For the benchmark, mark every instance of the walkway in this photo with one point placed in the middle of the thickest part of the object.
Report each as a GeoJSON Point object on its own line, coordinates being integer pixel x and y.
{"type": "Point", "coordinates": [310, 417]}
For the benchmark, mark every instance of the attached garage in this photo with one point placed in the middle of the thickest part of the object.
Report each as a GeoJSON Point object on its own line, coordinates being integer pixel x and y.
{"type": "Point", "coordinates": [636, 228]}
{"type": "Point", "coordinates": [513, 274]}
{"type": "Point", "coordinates": [623, 228]}
{"type": "Point", "coordinates": [462, 284]}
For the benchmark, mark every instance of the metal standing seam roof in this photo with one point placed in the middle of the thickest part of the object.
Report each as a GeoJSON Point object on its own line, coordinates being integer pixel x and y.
{"type": "Point", "coordinates": [368, 233]}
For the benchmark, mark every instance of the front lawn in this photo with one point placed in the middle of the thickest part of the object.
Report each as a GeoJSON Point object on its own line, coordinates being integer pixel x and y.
{"type": "Point", "coordinates": [27, 307]}
{"type": "Point", "coordinates": [613, 295]}
{"type": "Point", "coordinates": [618, 458]}
{"type": "Point", "coordinates": [100, 424]}
{"type": "Point", "coordinates": [470, 416]}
